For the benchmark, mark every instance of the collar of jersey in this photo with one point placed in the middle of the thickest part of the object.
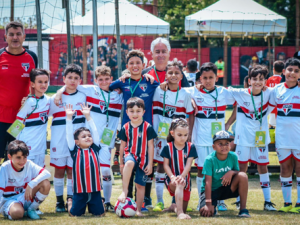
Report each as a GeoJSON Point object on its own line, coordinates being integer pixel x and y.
{"type": "Point", "coordinates": [65, 93]}
{"type": "Point", "coordinates": [24, 50]}
{"type": "Point", "coordinates": [211, 91]}
{"type": "Point", "coordinates": [15, 168]}
{"type": "Point", "coordinates": [178, 149]}
{"type": "Point", "coordinates": [249, 90]}
{"type": "Point", "coordinates": [138, 79]}
{"type": "Point", "coordinates": [174, 90]}
{"type": "Point", "coordinates": [289, 87]}
{"type": "Point", "coordinates": [37, 97]}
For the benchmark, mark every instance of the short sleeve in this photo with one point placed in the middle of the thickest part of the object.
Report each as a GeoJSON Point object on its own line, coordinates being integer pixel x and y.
{"type": "Point", "coordinates": [24, 111]}
{"type": "Point", "coordinates": [188, 103]}
{"type": "Point", "coordinates": [228, 97]}
{"type": "Point", "coordinates": [52, 105]}
{"type": "Point", "coordinates": [272, 99]}
{"type": "Point", "coordinates": [3, 179]}
{"type": "Point", "coordinates": [236, 166]}
{"type": "Point", "coordinates": [122, 134]}
{"type": "Point", "coordinates": [151, 134]}
{"type": "Point", "coordinates": [165, 153]}
{"type": "Point", "coordinates": [87, 89]}
{"type": "Point", "coordinates": [193, 152]}
{"type": "Point", "coordinates": [36, 169]}
{"type": "Point", "coordinates": [115, 85]}
{"type": "Point", "coordinates": [207, 167]}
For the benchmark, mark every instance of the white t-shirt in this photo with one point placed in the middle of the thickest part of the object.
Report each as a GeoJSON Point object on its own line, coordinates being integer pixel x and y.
{"type": "Point", "coordinates": [202, 130]}
{"type": "Point", "coordinates": [35, 132]}
{"type": "Point", "coordinates": [58, 145]}
{"type": "Point", "coordinates": [287, 101]}
{"type": "Point", "coordinates": [246, 122]}
{"type": "Point", "coordinates": [191, 77]}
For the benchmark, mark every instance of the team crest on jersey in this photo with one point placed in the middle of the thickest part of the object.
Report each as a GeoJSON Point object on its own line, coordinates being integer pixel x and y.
{"type": "Point", "coordinates": [10, 180]}
{"type": "Point", "coordinates": [44, 117]}
{"type": "Point", "coordinates": [287, 108]}
{"type": "Point", "coordinates": [143, 87]}
{"type": "Point", "coordinates": [200, 100]}
{"type": "Point", "coordinates": [262, 149]}
{"type": "Point", "coordinates": [102, 106]}
{"type": "Point", "coordinates": [280, 97]}
{"type": "Point", "coordinates": [19, 189]}
{"type": "Point", "coordinates": [53, 149]}
{"type": "Point", "coordinates": [207, 111]}
{"type": "Point", "coordinates": [170, 110]}
{"type": "Point", "coordinates": [140, 134]}
{"type": "Point", "coordinates": [246, 103]}
{"type": "Point", "coordinates": [26, 66]}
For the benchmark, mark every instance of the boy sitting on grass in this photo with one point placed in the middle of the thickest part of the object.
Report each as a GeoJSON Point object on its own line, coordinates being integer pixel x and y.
{"type": "Point", "coordinates": [222, 178]}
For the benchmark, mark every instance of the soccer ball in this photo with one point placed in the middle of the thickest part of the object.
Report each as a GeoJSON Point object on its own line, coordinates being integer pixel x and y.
{"type": "Point", "coordinates": [127, 209]}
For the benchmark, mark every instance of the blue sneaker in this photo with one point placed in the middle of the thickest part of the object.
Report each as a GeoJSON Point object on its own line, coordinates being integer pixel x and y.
{"type": "Point", "coordinates": [244, 213]}
{"type": "Point", "coordinates": [144, 209]}
{"type": "Point", "coordinates": [222, 207]}
{"type": "Point", "coordinates": [33, 215]}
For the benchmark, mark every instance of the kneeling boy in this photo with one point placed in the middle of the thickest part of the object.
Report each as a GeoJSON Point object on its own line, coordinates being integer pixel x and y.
{"type": "Point", "coordinates": [23, 184]}
{"type": "Point", "coordinates": [222, 177]}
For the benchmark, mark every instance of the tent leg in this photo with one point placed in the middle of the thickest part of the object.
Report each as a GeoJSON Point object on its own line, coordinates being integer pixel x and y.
{"type": "Point", "coordinates": [225, 61]}
{"type": "Point", "coordinates": [199, 51]}
{"type": "Point", "coordinates": [84, 63]}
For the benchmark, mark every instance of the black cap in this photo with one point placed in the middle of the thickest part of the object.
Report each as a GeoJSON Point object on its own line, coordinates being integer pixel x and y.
{"type": "Point", "coordinates": [222, 135]}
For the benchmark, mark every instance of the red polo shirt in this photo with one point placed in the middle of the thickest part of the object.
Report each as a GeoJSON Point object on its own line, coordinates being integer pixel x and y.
{"type": "Point", "coordinates": [14, 81]}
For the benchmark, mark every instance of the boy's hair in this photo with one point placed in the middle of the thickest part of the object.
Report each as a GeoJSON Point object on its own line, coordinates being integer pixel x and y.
{"type": "Point", "coordinates": [36, 72]}
{"type": "Point", "coordinates": [278, 66]}
{"type": "Point", "coordinates": [175, 63]}
{"type": "Point", "coordinates": [135, 53]}
{"type": "Point", "coordinates": [135, 101]}
{"type": "Point", "coordinates": [192, 65]}
{"type": "Point", "coordinates": [198, 74]}
{"type": "Point", "coordinates": [15, 25]}
{"type": "Point", "coordinates": [73, 68]}
{"type": "Point", "coordinates": [102, 70]}
{"type": "Point", "coordinates": [292, 62]}
{"type": "Point", "coordinates": [79, 130]}
{"type": "Point", "coordinates": [258, 69]}
{"type": "Point", "coordinates": [17, 146]}
{"type": "Point", "coordinates": [246, 79]}
{"type": "Point", "coordinates": [207, 67]}
{"type": "Point", "coordinates": [179, 122]}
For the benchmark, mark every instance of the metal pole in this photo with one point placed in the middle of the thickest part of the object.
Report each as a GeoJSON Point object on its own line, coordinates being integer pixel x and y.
{"type": "Point", "coordinates": [68, 31]}
{"type": "Point", "coordinates": [95, 37]}
{"type": "Point", "coordinates": [12, 6]}
{"type": "Point", "coordinates": [225, 61]}
{"type": "Point", "coordinates": [199, 51]}
{"type": "Point", "coordinates": [118, 38]}
{"type": "Point", "coordinates": [39, 32]}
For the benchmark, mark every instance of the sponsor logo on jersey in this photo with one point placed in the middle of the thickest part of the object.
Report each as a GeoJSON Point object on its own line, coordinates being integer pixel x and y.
{"type": "Point", "coordinates": [10, 180]}
{"type": "Point", "coordinates": [26, 66]}
{"type": "Point", "coordinates": [287, 108]}
{"type": "Point", "coordinates": [200, 100]}
{"type": "Point", "coordinates": [262, 149]}
{"type": "Point", "coordinates": [246, 103]}
{"type": "Point", "coordinates": [227, 168]}
{"type": "Point", "coordinates": [162, 96]}
{"type": "Point", "coordinates": [25, 75]}
{"type": "Point", "coordinates": [143, 87]}
{"type": "Point", "coordinates": [102, 106]}
{"type": "Point", "coordinates": [262, 157]}
{"type": "Point", "coordinates": [170, 110]}
{"type": "Point", "coordinates": [144, 95]}
{"type": "Point", "coordinates": [180, 101]}
{"type": "Point", "coordinates": [140, 134]}
{"type": "Point", "coordinates": [207, 111]}
{"type": "Point", "coordinates": [296, 97]}
{"type": "Point", "coordinates": [54, 150]}
{"type": "Point", "coordinates": [127, 88]}
{"type": "Point", "coordinates": [44, 117]}
{"type": "Point", "coordinates": [280, 97]}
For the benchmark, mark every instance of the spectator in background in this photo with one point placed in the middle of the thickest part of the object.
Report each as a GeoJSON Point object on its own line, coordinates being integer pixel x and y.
{"type": "Point", "coordinates": [124, 44]}
{"type": "Point", "coordinates": [79, 56]}
{"type": "Point", "coordinates": [62, 64]}
{"type": "Point", "coordinates": [266, 57]}
{"type": "Point", "coordinates": [131, 45]}
{"type": "Point", "coordinates": [191, 70]}
{"type": "Point", "coordinates": [254, 61]}
{"type": "Point", "coordinates": [123, 58]}
{"type": "Point", "coordinates": [281, 56]}
{"type": "Point", "coordinates": [244, 67]}
{"type": "Point", "coordinates": [220, 72]}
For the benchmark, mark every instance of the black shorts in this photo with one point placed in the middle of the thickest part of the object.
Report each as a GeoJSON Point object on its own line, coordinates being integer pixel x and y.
{"type": "Point", "coordinates": [222, 193]}
{"type": "Point", "coordinates": [5, 138]}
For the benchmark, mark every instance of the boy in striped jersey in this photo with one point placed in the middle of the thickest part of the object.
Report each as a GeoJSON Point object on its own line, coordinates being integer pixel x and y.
{"type": "Point", "coordinates": [84, 146]}
{"type": "Point", "coordinates": [106, 110]}
{"type": "Point", "coordinates": [138, 148]}
{"type": "Point", "coordinates": [59, 153]}
{"type": "Point", "coordinates": [34, 115]}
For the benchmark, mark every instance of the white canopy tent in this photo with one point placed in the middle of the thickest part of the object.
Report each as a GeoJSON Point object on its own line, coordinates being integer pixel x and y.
{"type": "Point", "coordinates": [234, 18]}
{"type": "Point", "coordinates": [133, 21]}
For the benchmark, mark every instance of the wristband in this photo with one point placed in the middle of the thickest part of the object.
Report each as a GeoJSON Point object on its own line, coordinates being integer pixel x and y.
{"type": "Point", "coordinates": [207, 200]}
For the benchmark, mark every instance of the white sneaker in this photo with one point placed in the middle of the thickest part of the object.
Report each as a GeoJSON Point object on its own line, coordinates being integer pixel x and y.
{"type": "Point", "coordinates": [269, 206]}
{"type": "Point", "coordinates": [39, 212]}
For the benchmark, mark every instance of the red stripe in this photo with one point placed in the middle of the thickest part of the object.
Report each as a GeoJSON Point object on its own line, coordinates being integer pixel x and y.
{"type": "Point", "coordinates": [248, 111]}
{"type": "Point", "coordinates": [63, 114]}
{"type": "Point", "coordinates": [126, 149]}
{"type": "Point", "coordinates": [36, 115]}
{"type": "Point", "coordinates": [20, 118]}
{"type": "Point", "coordinates": [134, 140]}
{"type": "Point", "coordinates": [282, 161]}
{"type": "Point", "coordinates": [180, 161]}
{"type": "Point", "coordinates": [58, 167]}
{"type": "Point", "coordinates": [98, 186]}
{"type": "Point", "coordinates": [160, 104]}
{"type": "Point", "coordinates": [172, 157]}
{"type": "Point", "coordinates": [144, 145]}
{"type": "Point", "coordinates": [87, 171]}
{"type": "Point", "coordinates": [41, 171]}
{"type": "Point", "coordinates": [220, 108]}
{"type": "Point", "coordinates": [159, 162]}
{"type": "Point", "coordinates": [1, 188]}
{"type": "Point", "coordinates": [104, 165]}
{"type": "Point", "coordinates": [78, 177]}
{"type": "Point", "coordinates": [296, 158]}
{"type": "Point", "coordinates": [12, 188]}
{"type": "Point", "coordinates": [295, 105]}
{"type": "Point", "coordinates": [97, 102]}
{"type": "Point", "coordinates": [261, 164]}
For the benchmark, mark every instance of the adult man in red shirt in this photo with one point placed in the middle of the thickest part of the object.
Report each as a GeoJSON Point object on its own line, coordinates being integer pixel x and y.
{"type": "Point", "coordinates": [15, 66]}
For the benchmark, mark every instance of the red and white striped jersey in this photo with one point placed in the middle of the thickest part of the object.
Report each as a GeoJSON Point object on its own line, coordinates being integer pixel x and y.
{"type": "Point", "coordinates": [207, 113]}
{"type": "Point", "coordinates": [14, 182]}
{"type": "Point", "coordinates": [58, 144]}
{"type": "Point", "coordinates": [173, 110]}
{"type": "Point", "coordinates": [35, 132]}
{"type": "Point", "coordinates": [98, 112]}
{"type": "Point", "coordinates": [287, 101]}
{"type": "Point", "coordinates": [246, 122]}
{"type": "Point", "coordinates": [136, 139]}
{"type": "Point", "coordinates": [178, 158]}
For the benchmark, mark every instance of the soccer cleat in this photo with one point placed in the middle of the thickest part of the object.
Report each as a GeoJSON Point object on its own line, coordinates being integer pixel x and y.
{"type": "Point", "coordinates": [238, 204]}
{"type": "Point", "coordinates": [109, 207]}
{"type": "Point", "coordinates": [33, 215]}
{"type": "Point", "coordinates": [116, 160]}
{"type": "Point", "coordinates": [286, 208]}
{"type": "Point", "coordinates": [39, 212]}
{"type": "Point", "coordinates": [189, 209]}
{"type": "Point", "coordinates": [148, 203]}
{"type": "Point", "coordinates": [269, 206]}
{"type": "Point", "coordinates": [222, 207]}
{"type": "Point", "coordinates": [296, 209]}
{"type": "Point", "coordinates": [144, 209]}
{"type": "Point", "coordinates": [159, 207]}
{"type": "Point", "coordinates": [244, 213]}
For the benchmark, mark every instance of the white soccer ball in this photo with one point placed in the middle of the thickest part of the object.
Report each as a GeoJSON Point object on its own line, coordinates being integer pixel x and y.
{"type": "Point", "coordinates": [127, 209]}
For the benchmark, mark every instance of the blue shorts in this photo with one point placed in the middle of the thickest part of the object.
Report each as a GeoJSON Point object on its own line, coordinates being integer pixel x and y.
{"type": "Point", "coordinates": [92, 200]}
{"type": "Point", "coordinates": [140, 176]}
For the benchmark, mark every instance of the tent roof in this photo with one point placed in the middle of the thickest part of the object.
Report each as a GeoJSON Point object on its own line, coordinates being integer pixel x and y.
{"type": "Point", "coordinates": [235, 18]}
{"type": "Point", "coordinates": [133, 20]}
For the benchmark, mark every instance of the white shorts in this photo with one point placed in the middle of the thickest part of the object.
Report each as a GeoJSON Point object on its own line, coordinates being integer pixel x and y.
{"type": "Point", "coordinates": [272, 119]}
{"type": "Point", "coordinates": [38, 159]}
{"type": "Point", "coordinates": [159, 144]}
{"type": "Point", "coordinates": [62, 163]}
{"type": "Point", "coordinates": [257, 155]}
{"type": "Point", "coordinates": [284, 154]}
{"type": "Point", "coordinates": [202, 152]}
{"type": "Point", "coordinates": [105, 156]}
{"type": "Point", "coordinates": [6, 203]}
